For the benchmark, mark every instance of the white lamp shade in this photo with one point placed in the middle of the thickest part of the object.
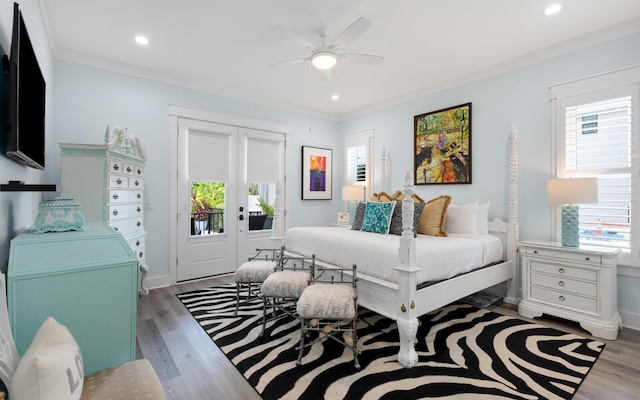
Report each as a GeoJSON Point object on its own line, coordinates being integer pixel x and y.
{"type": "Point", "coordinates": [352, 193]}
{"type": "Point", "coordinates": [572, 191]}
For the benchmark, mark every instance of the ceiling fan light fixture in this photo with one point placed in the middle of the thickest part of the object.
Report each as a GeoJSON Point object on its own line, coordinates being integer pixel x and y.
{"type": "Point", "coordinates": [324, 60]}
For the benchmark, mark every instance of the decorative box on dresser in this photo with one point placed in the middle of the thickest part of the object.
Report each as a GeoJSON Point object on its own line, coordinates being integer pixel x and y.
{"type": "Point", "coordinates": [87, 280]}
{"type": "Point", "coordinates": [575, 283]}
{"type": "Point", "coordinates": [108, 181]}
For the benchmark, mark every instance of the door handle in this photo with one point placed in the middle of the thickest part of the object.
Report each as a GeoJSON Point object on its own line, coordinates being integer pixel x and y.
{"type": "Point", "coordinates": [241, 217]}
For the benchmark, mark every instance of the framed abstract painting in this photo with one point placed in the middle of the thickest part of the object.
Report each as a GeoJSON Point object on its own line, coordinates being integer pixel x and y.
{"type": "Point", "coordinates": [316, 173]}
{"type": "Point", "coordinates": [442, 146]}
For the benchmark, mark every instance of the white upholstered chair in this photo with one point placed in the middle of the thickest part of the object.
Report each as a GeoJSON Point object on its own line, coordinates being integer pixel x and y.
{"type": "Point", "coordinates": [52, 367]}
{"type": "Point", "coordinates": [252, 273]}
{"type": "Point", "coordinates": [282, 288]}
{"type": "Point", "coordinates": [329, 306]}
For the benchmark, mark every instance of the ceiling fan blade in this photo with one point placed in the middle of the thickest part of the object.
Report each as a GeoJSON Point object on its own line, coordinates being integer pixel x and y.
{"type": "Point", "coordinates": [290, 62]}
{"type": "Point", "coordinates": [295, 38]}
{"type": "Point", "coordinates": [352, 32]}
{"type": "Point", "coordinates": [362, 58]}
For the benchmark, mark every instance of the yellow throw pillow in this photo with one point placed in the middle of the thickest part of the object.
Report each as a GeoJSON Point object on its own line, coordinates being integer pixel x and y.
{"type": "Point", "coordinates": [433, 216]}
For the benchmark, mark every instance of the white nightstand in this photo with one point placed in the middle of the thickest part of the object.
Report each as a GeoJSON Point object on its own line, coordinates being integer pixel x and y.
{"type": "Point", "coordinates": [576, 283]}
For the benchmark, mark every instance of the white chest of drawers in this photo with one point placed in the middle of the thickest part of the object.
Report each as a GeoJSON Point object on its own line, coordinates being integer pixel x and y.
{"type": "Point", "coordinates": [575, 283]}
{"type": "Point", "coordinates": [108, 181]}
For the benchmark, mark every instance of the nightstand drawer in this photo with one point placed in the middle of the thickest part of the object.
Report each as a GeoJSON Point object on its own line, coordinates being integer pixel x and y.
{"type": "Point", "coordinates": [561, 255]}
{"type": "Point", "coordinates": [562, 270]}
{"type": "Point", "coordinates": [565, 285]}
{"type": "Point", "coordinates": [565, 299]}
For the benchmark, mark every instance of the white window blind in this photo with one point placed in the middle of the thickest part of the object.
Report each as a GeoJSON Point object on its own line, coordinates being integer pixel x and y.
{"type": "Point", "coordinates": [597, 135]}
{"type": "Point", "coordinates": [263, 161]}
{"type": "Point", "coordinates": [209, 156]}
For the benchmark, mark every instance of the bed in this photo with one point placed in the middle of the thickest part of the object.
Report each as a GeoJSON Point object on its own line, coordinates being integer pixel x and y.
{"type": "Point", "coordinates": [399, 280]}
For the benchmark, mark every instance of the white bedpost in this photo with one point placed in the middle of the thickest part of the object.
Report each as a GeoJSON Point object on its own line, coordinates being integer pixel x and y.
{"type": "Point", "coordinates": [407, 319]}
{"type": "Point", "coordinates": [383, 170]}
{"type": "Point", "coordinates": [513, 235]}
{"type": "Point", "coordinates": [277, 228]}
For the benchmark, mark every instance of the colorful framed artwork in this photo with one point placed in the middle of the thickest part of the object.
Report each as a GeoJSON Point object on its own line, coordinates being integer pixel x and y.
{"type": "Point", "coordinates": [316, 173]}
{"type": "Point", "coordinates": [442, 146]}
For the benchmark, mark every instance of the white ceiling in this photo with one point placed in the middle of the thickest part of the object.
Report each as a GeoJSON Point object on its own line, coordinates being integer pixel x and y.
{"type": "Point", "coordinates": [225, 46]}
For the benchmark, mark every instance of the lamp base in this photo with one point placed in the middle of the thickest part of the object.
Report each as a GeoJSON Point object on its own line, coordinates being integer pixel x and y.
{"type": "Point", "coordinates": [352, 206]}
{"type": "Point", "coordinates": [570, 225]}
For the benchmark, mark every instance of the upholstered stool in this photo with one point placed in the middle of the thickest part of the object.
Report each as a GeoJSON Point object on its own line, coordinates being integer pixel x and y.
{"type": "Point", "coordinates": [254, 272]}
{"type": "Point", "coordinates": [329, 306]}
{"type": "Point", "coordinates": [282, 288]}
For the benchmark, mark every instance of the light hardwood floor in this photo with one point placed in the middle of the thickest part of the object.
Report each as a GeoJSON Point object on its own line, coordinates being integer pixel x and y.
{"type": "Point", "coordinates": [191, 367]}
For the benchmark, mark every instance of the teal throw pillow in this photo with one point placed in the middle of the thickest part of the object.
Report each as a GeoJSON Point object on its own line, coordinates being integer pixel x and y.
{"type": "Point", "coordinates": [377, 217]}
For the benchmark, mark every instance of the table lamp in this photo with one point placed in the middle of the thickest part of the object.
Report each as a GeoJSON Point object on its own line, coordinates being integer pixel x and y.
{"type": "Point", "coordinates": [569, 193]}
{"type": "Point", "coordinates": [352, 195]}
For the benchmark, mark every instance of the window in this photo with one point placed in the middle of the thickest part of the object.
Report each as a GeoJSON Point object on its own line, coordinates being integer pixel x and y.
{"type": "Point", "coordinates": [596, 135]}
{"type": "Point", "coordinates": [358, 158]}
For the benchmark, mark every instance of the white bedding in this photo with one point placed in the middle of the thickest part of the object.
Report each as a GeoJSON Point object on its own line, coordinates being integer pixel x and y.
{"type": "Point", "coordinates": [376, 255]}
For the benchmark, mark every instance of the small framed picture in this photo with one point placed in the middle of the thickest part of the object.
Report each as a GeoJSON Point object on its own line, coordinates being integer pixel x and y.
{"type": "Point", "coordinates": [343, 217]}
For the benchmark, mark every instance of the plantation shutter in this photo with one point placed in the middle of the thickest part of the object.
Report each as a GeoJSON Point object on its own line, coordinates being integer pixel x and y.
{"type": "Point", "coordinates": [358, 160]}
{"type": "Point", "coordinates": [598, 136]}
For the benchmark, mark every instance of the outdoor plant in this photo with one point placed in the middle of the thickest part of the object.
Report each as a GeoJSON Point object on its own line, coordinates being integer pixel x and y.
{"type": "Point", "coordinates": [265, 207]}
{"type": "Point", "coordinates": [204, 197]}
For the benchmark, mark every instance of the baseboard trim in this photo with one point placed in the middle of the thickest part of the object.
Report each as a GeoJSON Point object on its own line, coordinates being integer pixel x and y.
{"type": "Point", "coordinates": [630, 320]}
{"type": "Point", "coordinates": [155, 282]}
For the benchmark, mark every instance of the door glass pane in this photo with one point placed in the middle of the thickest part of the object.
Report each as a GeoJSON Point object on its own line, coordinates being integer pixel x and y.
{"type": "Point", "coordinates": [207, 208]}
{"type": "Point", "coordinates": [261, 204]}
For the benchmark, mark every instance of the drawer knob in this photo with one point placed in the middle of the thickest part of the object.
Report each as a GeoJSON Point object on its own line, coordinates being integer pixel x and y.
{"type": "Point", "coordinates": [138, 223]}
{"type": "Point", "coordinates": [138, 209]}
{"type": "Point", "coordinates": [115, 212]}
{"type": "Point", "coordinates": [586, 258]}
{"type": "Point", "coordinates": [535, 252]}
{"type": "Point", "coordinates": [115, 167]}
{"type": "Point", "coordinates": [141, 254]}
{"type": "Point", "coordinates": [115, 196]}
{"type": "Point", "coordinates": [128, 169]}
{"type": "Point", "coordinates": [137, 183]}
{"type": "Point", "coordinates": [561, 283]}
{"type": "Point", "coordinates": [137, 243]}
{"type": "Point", "coordinates": [119, 181]}
{"type": "Point", "coordinates": [115, 227]}
{"type": "Point", "coordinates": [139, 171]}
{"type": "Point", "coordinates": [561, 270]}
{"type": "Point", "coordinates": [139, 195]}
{"type": "Point", "coordinates": [561, 298]}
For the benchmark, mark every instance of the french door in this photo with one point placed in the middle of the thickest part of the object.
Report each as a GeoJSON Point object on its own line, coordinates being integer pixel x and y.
{"type": "Point", "coordinates": [227, 179]}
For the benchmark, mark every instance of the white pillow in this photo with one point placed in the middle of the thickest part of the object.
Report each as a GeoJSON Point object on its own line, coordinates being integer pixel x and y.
{"type": "Point", "coordinates": [51, 368]}
{"type": "Point", "coordinates": [483, 218]}
{"type": "Point", "coordinates": [462, 219]}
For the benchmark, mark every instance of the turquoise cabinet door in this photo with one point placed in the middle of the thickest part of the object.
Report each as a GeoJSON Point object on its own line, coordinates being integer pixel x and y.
{"type": "Point", "coordinates": [86, 280]}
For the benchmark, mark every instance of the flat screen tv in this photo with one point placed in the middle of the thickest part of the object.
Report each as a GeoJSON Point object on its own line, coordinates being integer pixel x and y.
{"type": "Point", "coordinates": [25, 134]}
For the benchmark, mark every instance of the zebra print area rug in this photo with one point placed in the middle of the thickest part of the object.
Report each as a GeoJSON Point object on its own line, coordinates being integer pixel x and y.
{"type": "Point", "coordinates": [464, 353]}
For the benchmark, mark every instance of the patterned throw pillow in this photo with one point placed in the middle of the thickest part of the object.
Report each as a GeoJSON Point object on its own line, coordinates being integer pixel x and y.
{"type": "Point", "coordinates": [357, 220]}
{"type": "Point", "coordinates": [396, 219]}
{"type": "Point", "coordinates": [377, 217]}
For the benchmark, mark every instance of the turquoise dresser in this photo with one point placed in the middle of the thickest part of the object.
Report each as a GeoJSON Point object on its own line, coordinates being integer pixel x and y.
{"type": "Point", "coordinates": [87, 280]}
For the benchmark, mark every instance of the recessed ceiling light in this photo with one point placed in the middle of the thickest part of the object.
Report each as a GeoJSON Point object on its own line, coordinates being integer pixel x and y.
{"type": "Point", "coordinates": [335, 97]}
{"type": "Point", "coordinates": [142, 40]}
{"type": "Point", "coordinates": [552, 9]}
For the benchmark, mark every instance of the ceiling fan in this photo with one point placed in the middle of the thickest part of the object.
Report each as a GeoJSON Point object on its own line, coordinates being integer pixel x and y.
{"type": "Point", "coordinates": [325, 56]}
